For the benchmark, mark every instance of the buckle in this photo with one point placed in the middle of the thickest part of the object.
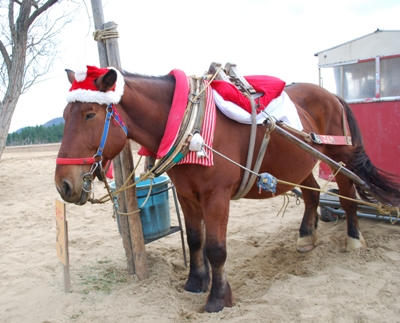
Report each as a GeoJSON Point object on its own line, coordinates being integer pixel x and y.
{"type": "Point", "coordinates": [315, 138]}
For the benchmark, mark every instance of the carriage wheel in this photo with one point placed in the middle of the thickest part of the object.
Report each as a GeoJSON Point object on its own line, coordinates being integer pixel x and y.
{"type": "Point", "coordinates": [327, 216]}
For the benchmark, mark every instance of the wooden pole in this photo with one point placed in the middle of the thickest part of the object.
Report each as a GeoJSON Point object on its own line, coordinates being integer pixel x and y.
{"type": "Point", "coordinates": [98, 19]}
{"type": "Point", "coordinates": [131, 226]}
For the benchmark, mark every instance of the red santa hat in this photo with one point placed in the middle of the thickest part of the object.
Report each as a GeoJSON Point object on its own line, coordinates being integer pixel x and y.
{"type": "Point", "coordinates": [83, 88]}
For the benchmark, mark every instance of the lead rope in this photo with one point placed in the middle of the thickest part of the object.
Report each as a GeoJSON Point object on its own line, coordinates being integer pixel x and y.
{"type": "Point", "coordinates": [111, 194]}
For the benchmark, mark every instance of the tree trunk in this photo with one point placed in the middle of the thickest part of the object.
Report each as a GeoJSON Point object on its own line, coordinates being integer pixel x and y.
{"type": "Point", "coordinates": [7, 107]}
{"type": "Point", "coordinates": [16, 61]}
{"type": "Point", "coordinates": [6, 112]}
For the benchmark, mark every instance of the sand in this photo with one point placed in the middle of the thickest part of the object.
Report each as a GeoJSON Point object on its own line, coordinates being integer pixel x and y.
{"type": "Point", "coordinates": [270, 280]}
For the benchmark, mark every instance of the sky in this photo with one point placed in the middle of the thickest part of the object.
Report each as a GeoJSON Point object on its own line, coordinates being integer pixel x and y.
{"type": "Point", "coordinates": [263, 37]}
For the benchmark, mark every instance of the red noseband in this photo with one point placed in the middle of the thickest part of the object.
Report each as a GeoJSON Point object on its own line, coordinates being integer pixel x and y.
{"type": "Point", "coordinates": [75, 161]}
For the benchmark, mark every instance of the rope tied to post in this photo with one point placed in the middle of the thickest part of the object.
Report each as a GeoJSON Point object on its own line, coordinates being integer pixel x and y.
{"type": "Point", "coordinates": [107, 33]}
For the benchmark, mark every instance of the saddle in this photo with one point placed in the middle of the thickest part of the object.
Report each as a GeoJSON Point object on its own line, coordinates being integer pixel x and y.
{"type": "Point", "coordinates": [230, 74]}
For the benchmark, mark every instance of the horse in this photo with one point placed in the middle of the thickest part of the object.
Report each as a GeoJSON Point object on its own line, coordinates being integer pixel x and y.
{"type": "Point", "coordinates": [204, 193]}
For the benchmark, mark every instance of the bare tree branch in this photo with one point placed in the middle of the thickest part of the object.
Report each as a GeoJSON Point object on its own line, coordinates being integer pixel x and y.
{"type": "Point", "coordinates": [11, 19]}
{"type": "Point", "coordinates": [39, 11]}
{"type": "Point", "coordinates": [4, 53]}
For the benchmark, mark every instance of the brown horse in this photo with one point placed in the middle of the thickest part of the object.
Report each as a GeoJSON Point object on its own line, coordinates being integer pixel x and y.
{"type": "Point", "coordinates": [205, 192]}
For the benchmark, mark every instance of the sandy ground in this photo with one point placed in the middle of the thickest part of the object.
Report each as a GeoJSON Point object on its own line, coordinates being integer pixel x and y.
{"type": "Point", "coordinates": [270, 280]}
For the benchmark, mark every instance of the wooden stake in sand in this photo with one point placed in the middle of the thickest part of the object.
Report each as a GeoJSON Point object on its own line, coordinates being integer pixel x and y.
{"type": "Point", "coordinates": [62, 241]}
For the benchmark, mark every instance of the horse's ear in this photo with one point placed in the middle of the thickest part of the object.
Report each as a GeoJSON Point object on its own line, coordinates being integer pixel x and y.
{"type": "Point", "coordinates": [107, 81]}
{"type": "Point", "coordinates": [71, 75]}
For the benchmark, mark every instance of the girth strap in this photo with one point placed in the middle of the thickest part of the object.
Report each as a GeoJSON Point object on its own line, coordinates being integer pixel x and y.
{"type": "Point", "coordinates": [247, 182]}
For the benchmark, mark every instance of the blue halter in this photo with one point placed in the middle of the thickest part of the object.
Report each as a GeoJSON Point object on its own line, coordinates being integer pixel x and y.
{"type": "Point", "coordinates": [111, 113]}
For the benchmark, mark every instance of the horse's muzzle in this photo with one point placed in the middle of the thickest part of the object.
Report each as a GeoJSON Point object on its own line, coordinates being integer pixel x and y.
{"type": "Point", "coordinates": [71, 195]}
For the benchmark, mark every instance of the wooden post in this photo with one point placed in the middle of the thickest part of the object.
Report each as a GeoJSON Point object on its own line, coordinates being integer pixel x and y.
{"type": "Point", "coordinates": [98, 19]}
{"type": "Point", "coordinates": [62, 242]}
{"type": "Point", "coordinates": [131, 226]}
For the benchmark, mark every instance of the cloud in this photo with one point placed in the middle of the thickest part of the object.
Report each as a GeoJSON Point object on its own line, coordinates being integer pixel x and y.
{"type": "Point", "coordinates": [370, 7]}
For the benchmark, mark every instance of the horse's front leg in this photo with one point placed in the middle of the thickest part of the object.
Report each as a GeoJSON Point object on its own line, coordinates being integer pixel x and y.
{"type": "Point", "coordinates": [354, 239]}
{"type": "Point", "coordinates": [308, 228]}
{"type": "Point", "coordinates": [216, 212]}
{"type": "Point", "coordinates": [199, 272]}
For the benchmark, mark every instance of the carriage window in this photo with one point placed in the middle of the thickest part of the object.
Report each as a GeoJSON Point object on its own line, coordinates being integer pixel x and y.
{"type": "Point", "coordinates": [359, 81]}
{"type": "Point", "coordinates": [329, 81]}
{"type": "Point", "coordinates": [390, 77]}
{"type": "Point", "coordinates": [352, 81]}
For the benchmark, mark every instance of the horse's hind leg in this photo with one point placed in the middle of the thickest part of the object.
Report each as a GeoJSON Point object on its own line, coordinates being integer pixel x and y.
{"type": "Point", "coordinates": [199, 272]}
{"type": "Point", "coordinates": [354, 239]}
{"type": "Point", "coordinates": [308, 228]}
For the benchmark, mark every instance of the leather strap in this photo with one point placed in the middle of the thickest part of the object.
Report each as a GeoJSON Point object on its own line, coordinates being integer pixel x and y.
{"type": "Point", "coordinates": [330, 140]}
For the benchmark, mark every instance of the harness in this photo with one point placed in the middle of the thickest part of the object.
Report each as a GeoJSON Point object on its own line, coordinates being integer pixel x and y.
{"type": "Point", "coordinates": [191, 125]}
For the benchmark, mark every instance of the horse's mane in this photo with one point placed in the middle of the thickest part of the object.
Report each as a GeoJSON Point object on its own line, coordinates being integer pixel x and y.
{"type": "Point", "coordinates": [167, 77]}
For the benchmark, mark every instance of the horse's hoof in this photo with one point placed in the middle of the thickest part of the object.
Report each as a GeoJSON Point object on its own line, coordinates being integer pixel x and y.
{"type": "Point", "coordinates": [196, 287]}
{"type": "Point", "coordinates": [305, 249]}
{"type": "Point", "coordinates": [306, 244]}
{"type": "Point", "coordinates": [225, 299]}
{"type": "Point", "coordinates": [214, 306]}
{"type": "Point", "coordinates": [352, 243]}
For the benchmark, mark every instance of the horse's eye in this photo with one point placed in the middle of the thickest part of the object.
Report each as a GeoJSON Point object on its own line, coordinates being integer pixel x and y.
{"type": "Point", "coordinates": [90, 116]}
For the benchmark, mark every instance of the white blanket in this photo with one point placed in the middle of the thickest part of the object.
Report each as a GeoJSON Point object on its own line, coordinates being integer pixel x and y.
{"type": "Point", "coordinates": [282, 108]}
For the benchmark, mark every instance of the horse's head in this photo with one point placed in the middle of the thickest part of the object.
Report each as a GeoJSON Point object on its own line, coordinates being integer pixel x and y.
{"type": "Point", "coordinates": [93, 134]}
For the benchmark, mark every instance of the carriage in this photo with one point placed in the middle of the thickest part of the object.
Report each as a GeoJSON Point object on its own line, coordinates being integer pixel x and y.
{"type": "Point", "coordinates": [366, 73]}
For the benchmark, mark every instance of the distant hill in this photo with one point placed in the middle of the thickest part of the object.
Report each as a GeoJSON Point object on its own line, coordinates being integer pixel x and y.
{"type": "Point", "coordinates": [54, 121]}
{"type": "Point", "coordinates": [50, 132]}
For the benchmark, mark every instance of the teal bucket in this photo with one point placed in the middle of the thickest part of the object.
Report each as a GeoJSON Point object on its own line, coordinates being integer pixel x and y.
{"type": "Point", "coordinates": [155, 215]}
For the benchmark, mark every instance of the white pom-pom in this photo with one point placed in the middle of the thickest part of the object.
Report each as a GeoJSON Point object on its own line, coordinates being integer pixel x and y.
{"type": "Point", "coordinates": [196, 143]}
{"type": "Point", "coordinates": [80, 74]}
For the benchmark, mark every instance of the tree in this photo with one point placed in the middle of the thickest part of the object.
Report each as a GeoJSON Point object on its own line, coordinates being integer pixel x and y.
{"type": "Point", "coordinates": [28, 46]}
{"type": "Point", "coordinates": [36, 135]}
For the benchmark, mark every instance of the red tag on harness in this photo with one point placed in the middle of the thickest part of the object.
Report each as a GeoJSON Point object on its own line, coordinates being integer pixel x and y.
{"type": "Point", "coordinates": [331, 140]}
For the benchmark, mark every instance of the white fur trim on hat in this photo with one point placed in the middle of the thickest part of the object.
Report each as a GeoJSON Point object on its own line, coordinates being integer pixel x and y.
{"type": "Point", "coordinates": [83, 95]}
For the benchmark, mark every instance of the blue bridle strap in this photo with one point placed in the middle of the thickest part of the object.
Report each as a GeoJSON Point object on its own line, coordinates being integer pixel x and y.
{"type": "Point", "coordinates": [111, 113]}
{"type": "Point", "coordinates": [119, 121]}
{"type": "Point", "coordinates": [95, 162]}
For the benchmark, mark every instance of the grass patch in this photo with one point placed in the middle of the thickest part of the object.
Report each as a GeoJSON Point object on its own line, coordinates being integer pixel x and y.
{"type": "Point", "coordinates": [74, 317]}
{"type": "Point", "coordinates": [101, 278]}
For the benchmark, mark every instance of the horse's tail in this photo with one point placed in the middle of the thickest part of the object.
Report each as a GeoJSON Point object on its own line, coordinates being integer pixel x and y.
{"type": "Point", "coordinates": [384, 185]}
